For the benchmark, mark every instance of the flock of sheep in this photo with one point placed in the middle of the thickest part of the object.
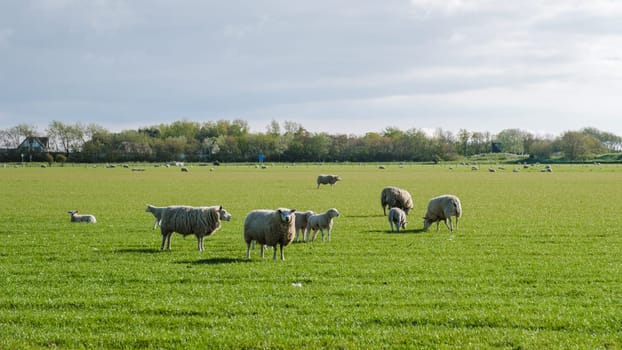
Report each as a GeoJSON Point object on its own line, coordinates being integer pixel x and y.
{"type": "Point", "coordinates": [280, 227]}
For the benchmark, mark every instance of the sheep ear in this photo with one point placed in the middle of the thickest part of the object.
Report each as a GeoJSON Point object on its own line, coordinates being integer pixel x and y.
{"type": "Point", "coordinates": [292, 211]}
{"type": "Point", "coordinates": [220, 209]}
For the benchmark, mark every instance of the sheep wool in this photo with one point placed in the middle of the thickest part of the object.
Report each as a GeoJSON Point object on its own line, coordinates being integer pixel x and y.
{"type": "Point", "coordinates": [443, 208]}
{"type": "Point", "coordinates": [395, 197]}
{"type": "Point", "coordinates": [187, 220]}
{"type": "Point", "coordinates": [302, 218]}
{"type": "Point", "coordinates": [269, 228]}
{"type": "Point", "coordinates": [322, 222]}
{"type": "Point", "coordinates": [157, 213]}
{"type": "Point", "coordinates": [327, 180]}
{"type": "Point", "coordinates": [397, 217]}
{"type": "Point", "coordinates": [75, 217]}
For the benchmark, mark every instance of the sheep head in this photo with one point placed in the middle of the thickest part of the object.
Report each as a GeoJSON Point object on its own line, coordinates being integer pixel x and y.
{"type": "Point", "coordinates": [286, 215]}
{"type": "Point", "coordinates": [224, 215]}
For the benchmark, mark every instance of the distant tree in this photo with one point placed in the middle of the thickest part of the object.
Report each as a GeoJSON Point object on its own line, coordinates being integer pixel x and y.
{"type": "Point", "coordinates": [512, 141]}
{"type": "Point", "coordinates": [579, 146]}
{"type": "Point", "coordinates": [13, 137]}
{"type": "Point", "coordinates": [65, 137]}
{"type": "Point", "coordinates": [61, 158]}
{"type": "Point", "coordinates": [541, 149]}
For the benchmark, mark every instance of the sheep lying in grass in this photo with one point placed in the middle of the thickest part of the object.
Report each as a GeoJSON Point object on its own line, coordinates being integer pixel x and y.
{"type": "Point", "coordinates": [321, 222]}
{"type": "Point", "coordinates": [327, 180]}
{"type": "Point", "coordinates": [157, 213]}
{"type": "Point", "coordinates": [442, 208]}
{"type": "Point", "coordinates": [269, 228]}
{"type": "Point", "coordinates": [397, 217]}
{"type": "Point", "coordinates": [302, 218]}
{"type": "Point", "coordinates": [186, 220]}
{"type": "Point", "coordinates": [75, 217]}
{"type": "Point", "coordinates": [392, 196]}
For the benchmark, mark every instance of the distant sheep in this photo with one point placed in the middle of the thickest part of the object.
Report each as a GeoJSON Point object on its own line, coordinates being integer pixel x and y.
{"type": "Point", "coordinates": [75, 217]}
{"type": "Point", "coordinates": [302, 218]}
{"type": "Point", "coordinates": [321, 222]}
{"type": "Point", "coordinates": [269, 228]}
{"type": "Point", "coordinates": [327, 179]}
{"type": "Point", "coordinates": [397, 217]}
{"type": "Point", "coordinates": [442, 208]}
{"type": "Point", "coordinates": [184, 170]}
{"type": "Point", "coordinates": [395, 197]}
{"type": "Point", "coordinates": [157, 213]}
{"type": "Point", "coordinates": [186, 220]}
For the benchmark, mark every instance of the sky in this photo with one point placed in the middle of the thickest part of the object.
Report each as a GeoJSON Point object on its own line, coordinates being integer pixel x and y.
{"type": "Point", "coordinates": [342, 67]}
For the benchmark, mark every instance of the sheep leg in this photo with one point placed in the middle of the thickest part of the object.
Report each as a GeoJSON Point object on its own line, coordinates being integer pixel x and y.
{"type": "Point", "coordinates": [261, 250]}
{"type": "Point", "coordinates": [274, 254]}
{"type": "Point", "coordinates": [322, 231]}
{"type": "Point", "coordinates": [450, 226]}
{"type": "Point", "coordinates": [456, 223]}
{"type": "Point", "coordinates": [200, 243]}
{"type": "Point", "coordinates": [155, 224]}
{"type": "Point", "coordinates": [329, 230]}
{"type": "Point", "coordinates": [248, 250]}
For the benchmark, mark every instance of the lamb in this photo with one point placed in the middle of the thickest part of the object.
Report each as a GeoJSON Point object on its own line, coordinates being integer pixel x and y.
{"type": "Point", "coordinates": [302, 218]}
{"type": "Point", "coordinates": [320, 222]}
{"type": "Point", "coordinates": [395, 197]}
{"type": "Point", "coordinates": [442, 208]}
{"type": "Point", "coordinates": [157, 213]}
{"type": "Point", "coordinates": [75, 217]}
{"type": "Point", "coordinates": [186, 220]}
{"type": "Point", "coordinates": [398, 217]}
{"type": "Point", "coordinates": [269, 228]}
{"type": "Point", "coordinates": [327, 179]}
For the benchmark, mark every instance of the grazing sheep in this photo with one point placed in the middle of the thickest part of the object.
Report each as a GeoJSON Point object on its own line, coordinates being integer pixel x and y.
{"type": "Point", "coordinates": [157, 213]}
{"type": "Point", "coordinates": [184, 170]}
{"type": "Point", "coordinates": [186, 220]}
{"type": "Point", "coordinates": [395, 197]}
{"type": "Point", "coordinates": [75, 217]}
{"type": "Point", "coordinates": [302, 218]}
{"type": "Point", "coordinates": [327, 179]}
{"type": "Point", "coordinates": [442, 208]}
{"type": "Point", "coordinates": [269, 228]}
{"type": "Point", "coordinates": [321, 222]}
{"type": "Point", "coordinates": [397, 217]}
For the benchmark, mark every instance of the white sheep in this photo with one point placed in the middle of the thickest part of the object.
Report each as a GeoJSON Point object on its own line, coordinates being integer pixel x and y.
{"type": "Point", "coordinates": [157, 213]}
{"type": "Point", "coordinates": [186, 220]}
{"type": "Point", "coordinates": [302, 218]}
{"type": "Point", "coordinates": [392, 196]}
{"type": "Point", "coordinates": [269, 228]}
{"type": "Point", "coordinates": [320, 222]}
{"type": "Point", "coordinates": [327, 180]}
{"type": "Point", "coordinates": [442, 208]}
{"type": "Point", "coordinates": [75, 217]}
{"type": "Point", "coordinates": [397, 217]}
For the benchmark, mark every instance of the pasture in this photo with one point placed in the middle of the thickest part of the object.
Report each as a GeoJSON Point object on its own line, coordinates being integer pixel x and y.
{"type": "Point", "coordinates": [535, 263]}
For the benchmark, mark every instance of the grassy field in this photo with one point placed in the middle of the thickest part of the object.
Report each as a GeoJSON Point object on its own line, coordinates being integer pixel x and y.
{"type": "Point", "coordinates": [535, 263]}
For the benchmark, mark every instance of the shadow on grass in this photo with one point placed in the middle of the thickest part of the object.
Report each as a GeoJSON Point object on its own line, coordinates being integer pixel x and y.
{"type": "Point", "coordinates": [214, 261]}
{"type": "Point", "coordinates": [137, 250]}
{"type": "Point", "coordinates": [402, 232]}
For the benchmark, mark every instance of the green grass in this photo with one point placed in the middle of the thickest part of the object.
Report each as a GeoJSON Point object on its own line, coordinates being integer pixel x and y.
{"type": "Point", "coordinates": [535, 263]}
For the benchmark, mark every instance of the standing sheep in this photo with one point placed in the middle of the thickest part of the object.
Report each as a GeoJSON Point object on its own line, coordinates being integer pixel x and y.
{"type": "Point", "coordinates": [302, 218]}
{"type": "Point", "coordinates": [157, 213]}
{"type": "Point", "coordinates": [442, 208]}
{"type": "Point", "coordinates": [321, 222]}
{"type": "Point", "coordinates": [269, 228]}
{"type": "Point", "coordinates": [395, 197]}
{"type": "Point", "coordinates": [186, 220]}
{"type": "Point", "coordinates": [397, 217]}
{"type": "Point", "coordinates": [327, 179]}
{"type": "Point", "coordinates": [75, 217]}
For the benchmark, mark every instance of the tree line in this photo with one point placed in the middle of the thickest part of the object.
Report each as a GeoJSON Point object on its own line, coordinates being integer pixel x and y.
{"type": "Point", "coordinates": [232, 141]}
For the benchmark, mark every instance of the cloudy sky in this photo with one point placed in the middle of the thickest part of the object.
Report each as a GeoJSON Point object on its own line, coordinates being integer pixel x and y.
{"type": "Point", "coordinates": [345, 66]}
